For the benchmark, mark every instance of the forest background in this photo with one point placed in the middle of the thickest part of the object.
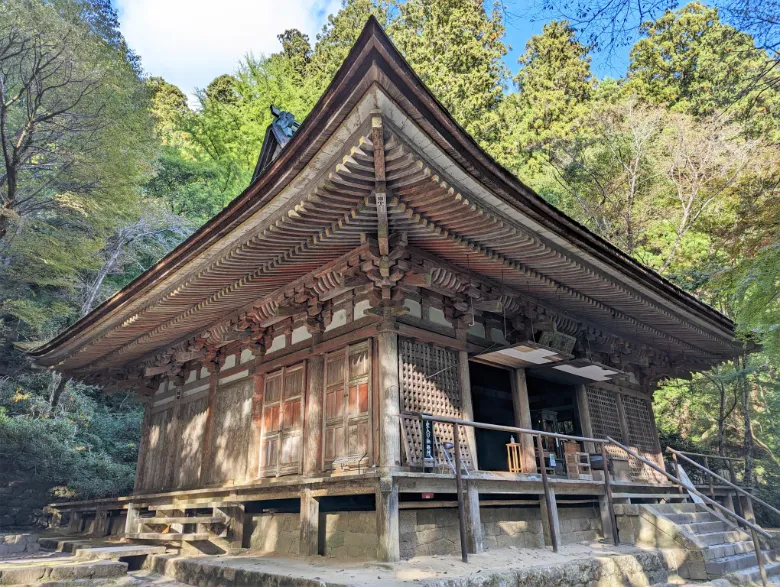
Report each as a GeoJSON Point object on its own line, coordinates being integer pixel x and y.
{"type": "Point", "coordinates": [104, 169]}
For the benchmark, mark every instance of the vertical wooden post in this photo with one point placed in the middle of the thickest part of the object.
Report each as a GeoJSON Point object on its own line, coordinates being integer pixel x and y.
{"type": "Point", "coordinates": [56, 519]}
{"type": "Point", "coordinates": [312, 433]}
{"type": "Point", "coordinates": [171, 434]}
{"type": "Point", "coordinates": [467, 404]}
{"type": "Point", "coordinates": [464, 553]}
{"type": "Point", "coordinates": [131, 522]}
{"type": "Point", "coordinates": [548, 503]}
{"type": "Point", "coordinates": [208, 432]}
{"type": "Point", "coordinates": [310, 515]}
{"type": "Point", "coordinates": [74, 524]}
{"type": "Point", "coordinates": [585, 422]}
{"type": "Point", "coordinates": [253, 458]}
{"type": "Point", "coordinates": [473, 519]}
{"type": "Point", "coordinates": [236, 516]}
{"type": "Point", "coordinates": [608, 494]}
{"type": "Point", "coordinates": [677, 471]}
{"type": "Point", "coordinates": [100, 528]}
{"type": "Point", "coordinates": [389, 408]}
{"type": "Point", "coordinates": [388, 533]}
{"type": "Point", "coordinates": [523, 419]}
{"type": "Point", "coordinates": [144, 446]}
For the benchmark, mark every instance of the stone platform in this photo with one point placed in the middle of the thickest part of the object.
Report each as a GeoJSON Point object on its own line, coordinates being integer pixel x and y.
{"type": "Point", "coordinates": [576, 565]}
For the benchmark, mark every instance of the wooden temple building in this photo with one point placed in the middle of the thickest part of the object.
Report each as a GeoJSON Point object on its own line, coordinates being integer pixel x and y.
{"type": "Point", "coordinates": [381, 265]}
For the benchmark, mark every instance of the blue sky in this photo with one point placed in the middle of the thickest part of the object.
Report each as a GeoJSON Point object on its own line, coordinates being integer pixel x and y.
{"type": "Point", "coordinates": [190, 42]}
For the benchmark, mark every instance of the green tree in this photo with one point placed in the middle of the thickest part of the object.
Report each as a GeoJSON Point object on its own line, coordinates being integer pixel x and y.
{"type": "Point", "coordinates": [456, 47]}
{"type": "Point", "coordinates": [554, 86]}
{"type": "Point", "coordinates": [692, 62]}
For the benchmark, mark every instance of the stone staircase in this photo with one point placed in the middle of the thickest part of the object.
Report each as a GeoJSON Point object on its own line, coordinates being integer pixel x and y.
{"type": "Point", "coordinates": [716, 548]}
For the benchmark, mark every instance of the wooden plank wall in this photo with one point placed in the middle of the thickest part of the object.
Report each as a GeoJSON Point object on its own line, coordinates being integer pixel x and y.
{"type": "Point", "coordinates": [231, 436]}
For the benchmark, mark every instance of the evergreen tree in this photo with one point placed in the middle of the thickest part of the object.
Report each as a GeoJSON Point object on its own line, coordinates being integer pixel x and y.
{"type": "Point", "coordinates": [692, 62]}
{"type": "Point", "coordinates": [554, 86]}
{"type": "Point", "coordinates": [456, 47]}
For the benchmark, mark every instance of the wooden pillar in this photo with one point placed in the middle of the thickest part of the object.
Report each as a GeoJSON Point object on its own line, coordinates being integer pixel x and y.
{"type": "Point", "coordinates": [552, 535]}
{"type": "Point", "coordinates": [622, 419]}
{"type": "Point", "coordinates": [312, 433]}
{"type": "Point", "coordinates": [747, 508]}
{"type": "Point", "coordinates": [74, 524]}
{"type": "Point", "coordinates": [253, 458]}
{"type": "Point", "coordinates": [523, 419]}
{"type": "Point", "coordinates": [388, 533]}
{"type": "Point", "coordinates": [208, 432]}
{"type": "Point", "coordinates": [389, 408]}
{"type": "Point", "coordinates": [606, 517]}
{"type": "Point", "coordinates": [144, 447]}
{"type": "Point", "coordinates": [310, 516]}
{"type": "Point", "coordinates": [585, 422]}
{"type": "Point", "coordinates": [235, 526]}
{"type": "Point", "coordinates": [100, 527]}
{"type": "Point", "coordinates": [172, 437]}
{"type": "Point", "coordinates": [131, 522]}
{"type": "Point", "coordinates": [473, 520]}
{"type": "Point", "coordinates": [56, 519]}
{"type": "Point", "coordinates": [467, 404]}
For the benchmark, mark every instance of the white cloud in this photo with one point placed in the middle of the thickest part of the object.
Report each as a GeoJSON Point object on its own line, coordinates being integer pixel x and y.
{"type": "Point", "coordinates": [190, 42]}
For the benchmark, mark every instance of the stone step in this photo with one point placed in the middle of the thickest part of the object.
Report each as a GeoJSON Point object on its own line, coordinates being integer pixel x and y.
{"type": "Point", "coordinates": [119, 552]}
{"type": "Point", "coordinates": [60, 544]}
{"type": "Point", "coordinates": [164, 521]}
{"type": "Point", "coordinates": [677, 508]}
{"type": "Point", "coordinates": [30, 571]}
{"type": "Point", "coordinates": [727, 549]}
{"type": "Point", "coordinates": [714, 538]}
{"type": "Point", "coordinates": [692, 517]}
{"type": "Point", "coordinates": [704, 527]}
{"type": "Point", "coordinates": [675, 496]}
{"type": "Point", "coordinates": [738, 562]}
{"type": "Point", "coordinates": [752, 576]}
{"type": "Point", "coordinates": [169, 537]}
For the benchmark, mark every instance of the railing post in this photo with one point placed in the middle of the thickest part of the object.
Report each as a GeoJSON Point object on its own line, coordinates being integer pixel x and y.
{"type": "Point", "coordinates": [459, 486]}
{"type": "Point", "coordinates": [608, 492]}
{"type": "Point", "coordinates": [677, 471]}
{"type": "Point", "coordinates": [759, 557]}
{"type": "Point", "coordinates": [549, 497]}
{"type": "Point", "coordinates": [712, 487]}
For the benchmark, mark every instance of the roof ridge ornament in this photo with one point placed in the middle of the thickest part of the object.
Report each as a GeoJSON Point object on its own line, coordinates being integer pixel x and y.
{"type": "Point", "coordinates": [277, 135]}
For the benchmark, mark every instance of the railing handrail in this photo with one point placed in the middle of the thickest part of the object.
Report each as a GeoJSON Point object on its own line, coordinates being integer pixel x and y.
{"type": "Point", "coordinates": [737, 488]}
{"type": "Point", "coordinates": [500, 427]}
{"type": "Point", "coordinates": [692, 489]}
{"type": "Point", "coordinates": [706, 456]}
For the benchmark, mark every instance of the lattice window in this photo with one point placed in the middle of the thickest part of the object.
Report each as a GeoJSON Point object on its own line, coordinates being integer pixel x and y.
{"type": "Point", "coordinates": [605, 418]}
{"type": "Point", "coordinates": [429, 384]}
{"type": "Point", "coordinates": [642, 437]}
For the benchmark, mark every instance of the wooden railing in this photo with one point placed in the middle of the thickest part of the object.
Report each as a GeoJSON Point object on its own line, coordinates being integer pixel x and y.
{"type": "Point", "coordinates": [547, 490]}
{"type": "Point", "coordinates": [551, 512]}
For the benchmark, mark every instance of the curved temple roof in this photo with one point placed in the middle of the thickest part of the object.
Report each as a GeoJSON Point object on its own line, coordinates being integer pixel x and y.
{"type": "Point", "coordinates": [312, 203]}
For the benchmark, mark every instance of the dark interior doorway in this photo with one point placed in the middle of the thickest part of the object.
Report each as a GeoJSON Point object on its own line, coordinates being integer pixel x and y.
{"type": "Point", "coordinates": [491, 394]}
{"type": "Point", "coordinates": [554, 409]}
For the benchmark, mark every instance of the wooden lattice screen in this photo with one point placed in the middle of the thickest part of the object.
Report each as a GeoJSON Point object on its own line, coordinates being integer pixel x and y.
{"type": "Point", "coordinates": [605, 421]}
{"type": "Point", "coordinates": [642, 437]}
{"type": "Point", "coordinates": [429, 384]}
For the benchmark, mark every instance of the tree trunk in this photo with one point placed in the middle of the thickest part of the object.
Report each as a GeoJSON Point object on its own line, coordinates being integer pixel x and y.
{"type": "Point", "coordinates": [748, 441]}
{"type": "Point", "coordinates": [57, 388]}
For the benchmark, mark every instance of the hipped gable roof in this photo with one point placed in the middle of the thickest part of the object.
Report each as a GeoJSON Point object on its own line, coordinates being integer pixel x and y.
{"type": "Point", "coordinates": [240, 254]}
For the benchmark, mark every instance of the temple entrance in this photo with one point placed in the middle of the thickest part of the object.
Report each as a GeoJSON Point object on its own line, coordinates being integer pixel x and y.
{"type": "Point", "coordinates": [553, 406]}
{"type": "Point", "coordinates": [491, 396]}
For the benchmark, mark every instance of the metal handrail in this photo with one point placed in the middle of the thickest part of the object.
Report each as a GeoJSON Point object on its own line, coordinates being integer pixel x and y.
{"type": "Point", "coordinates": [754, 529]}
{"type": "Point", "coordinates": [737, 488]}
{"type": "Point", "coordinates": [713, 456]}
